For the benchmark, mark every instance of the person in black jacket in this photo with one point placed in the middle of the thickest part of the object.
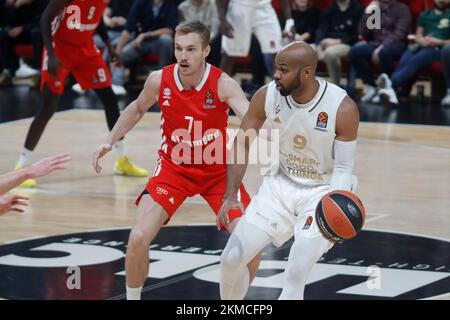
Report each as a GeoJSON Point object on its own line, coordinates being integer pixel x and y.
{"type": "Point", "coordinates": [149, 29]}
{"type": "Point", "coordinates": [338, 31]}
{"type": "Point", "coordinates": [19, 26]}
{"type": "Point", "coordinates": [306, 20]}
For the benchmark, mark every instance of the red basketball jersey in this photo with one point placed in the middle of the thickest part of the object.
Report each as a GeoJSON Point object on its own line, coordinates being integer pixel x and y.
{"type": "Point", "coordinates": [77, 22]}
{"type": "Point", "coordinates": [193, 122]}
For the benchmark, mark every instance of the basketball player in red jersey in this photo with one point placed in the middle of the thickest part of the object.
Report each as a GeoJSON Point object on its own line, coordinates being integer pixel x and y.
{"type": "Point", "coordinates": [67, 29]}
{"type": "Point", "coordinates": [195, 98]}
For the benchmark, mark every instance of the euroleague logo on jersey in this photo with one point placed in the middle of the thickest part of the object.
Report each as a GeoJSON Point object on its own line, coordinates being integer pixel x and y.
{"type": "Point", "coordinates": [322, 120]}
{"type": "Point", "coordinates": [374, 265]}
{"type": "Point", "coordinates": [209, 100]}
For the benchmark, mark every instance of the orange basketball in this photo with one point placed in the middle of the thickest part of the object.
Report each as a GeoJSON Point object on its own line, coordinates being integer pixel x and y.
{"type": "Point", "coordinates": [340, 215]}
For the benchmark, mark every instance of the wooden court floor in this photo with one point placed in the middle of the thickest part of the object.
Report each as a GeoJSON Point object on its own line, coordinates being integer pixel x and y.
{"type": "Point", "coordinates": [403, 171]}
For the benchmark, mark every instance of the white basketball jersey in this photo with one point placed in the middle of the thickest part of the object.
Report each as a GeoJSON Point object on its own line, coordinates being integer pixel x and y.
{"type": "Point", "coordinates": [307, 132]}
{"type": "Point", "coordinates": [253, 3]}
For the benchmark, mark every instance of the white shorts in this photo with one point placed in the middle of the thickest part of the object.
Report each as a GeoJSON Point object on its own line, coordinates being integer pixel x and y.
{"type": "Point", "coordinates": [246, 20]}
{"type": "Point", "coordinates": [283, 209]}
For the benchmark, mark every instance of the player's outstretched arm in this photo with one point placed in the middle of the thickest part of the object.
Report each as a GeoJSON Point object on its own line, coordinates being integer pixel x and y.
{"type": "Point", "coordinates": [38, 169]}
{"type": "Point", "coordinates": [131, 116]}
{"type": "Point", "coordinates": [238, 158]}
{"type": "Point", "coordinates": [347, 123]}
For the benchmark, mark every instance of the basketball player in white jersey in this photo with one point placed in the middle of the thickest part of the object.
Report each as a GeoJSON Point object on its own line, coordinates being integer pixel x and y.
{"type": "Point", "coordinates": [318, 125]}
{"type": "Point", "coordinates": [240, 19]}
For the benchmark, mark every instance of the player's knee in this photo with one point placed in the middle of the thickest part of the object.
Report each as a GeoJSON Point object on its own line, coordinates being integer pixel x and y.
{"type": "Point", "coordinates": [137, 239]}
{"type": "Point", "coordinates": [231, 258]}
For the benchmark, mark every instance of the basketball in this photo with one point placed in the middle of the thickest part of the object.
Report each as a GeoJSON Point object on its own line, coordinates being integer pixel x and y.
{"type": "Point", "coordinates": [340, 215]}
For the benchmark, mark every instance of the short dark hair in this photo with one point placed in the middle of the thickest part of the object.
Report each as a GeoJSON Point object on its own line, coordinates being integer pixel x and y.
{"type": "Point", "coordinates": [195, 27]}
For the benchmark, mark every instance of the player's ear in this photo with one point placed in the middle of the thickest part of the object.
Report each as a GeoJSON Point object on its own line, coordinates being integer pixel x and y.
{"type": "Point", "coordinates": [206, 50]}
{"type": "Point", "coordinates": [307, 72]}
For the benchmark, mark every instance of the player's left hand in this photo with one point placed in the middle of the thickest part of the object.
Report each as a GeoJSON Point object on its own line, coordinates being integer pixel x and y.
{"type": "Point", "coordinates": [100, 152]}
{"type": "Point", "coordinates": [229, 203]}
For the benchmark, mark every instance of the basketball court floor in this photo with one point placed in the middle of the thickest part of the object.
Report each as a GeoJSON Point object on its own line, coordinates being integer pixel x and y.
{"type": "Point", "coordinates": [78, 222]}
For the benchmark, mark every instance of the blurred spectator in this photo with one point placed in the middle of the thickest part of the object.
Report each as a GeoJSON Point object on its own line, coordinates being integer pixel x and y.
{"type": "Point", "coordinates": [240, 19]}
{"type": "Point", "coordinates": [206, 12]}
{"type": "Point", "coordinates": [446, 64]}
{"type": "Point", "coordinates": [306, 20]}
{"type": "Point", "coordinates": [337, 32]}
{"type": "Point", "coordinates": [20, 26]}
{"type": "Point", "coordinates": [433, 32]}
{"type": "Point", "coordinates": [382, 46]}
{"type": "Point", "coordinates": [149, 29]}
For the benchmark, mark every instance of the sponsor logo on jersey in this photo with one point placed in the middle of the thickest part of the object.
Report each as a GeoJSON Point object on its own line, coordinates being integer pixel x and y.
{"type": "Point", "coordinates": [161, 191]}
{"type": "Point", "coordinates": [167, 92]}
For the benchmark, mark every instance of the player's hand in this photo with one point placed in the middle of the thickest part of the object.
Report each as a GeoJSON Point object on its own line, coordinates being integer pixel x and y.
{"type": "Point", "coordinates": [100, 152]}
{"type": "Point", "coordinates": [53, 64]}
{"type": "Point", "coordinates": [9, 202]}
{"type": "Point", "coordinates": [226, 29]}
{"type": "Point", "coordinates": [48, 165]}
{"type": "Point", "coordinates": [229, 203]}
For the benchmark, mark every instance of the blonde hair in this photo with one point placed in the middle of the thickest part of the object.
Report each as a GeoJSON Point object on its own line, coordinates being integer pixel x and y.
{"type": "Point", "coordinates": [195, 27]}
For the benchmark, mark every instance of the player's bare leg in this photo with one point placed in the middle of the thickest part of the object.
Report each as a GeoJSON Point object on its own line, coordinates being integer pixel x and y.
{"type": "Point", "coordinates": [151, 216]}
{"type": "Point", "coordinates": [37, 127]}
{"type": "Point", "coordinates": [253, 265]}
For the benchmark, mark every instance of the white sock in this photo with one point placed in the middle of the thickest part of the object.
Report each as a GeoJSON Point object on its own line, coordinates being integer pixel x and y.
{"type": "Point", "coordinates": [134, 293]}
{"type": "Point", "coordinates": [24, 155]}
{"type": "Point", "coordinates": [120, 148]}
{"type": "Point", "coordinates": [304, 254]}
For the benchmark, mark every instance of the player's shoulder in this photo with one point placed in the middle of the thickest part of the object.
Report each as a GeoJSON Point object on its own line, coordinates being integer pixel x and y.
{"type": "Point", "coordinates": [225, 81]}
{"type": "Point", "coordinates": [347, 105]}
{"type": "Point", "coordinates": [153, 82]}
{"type": "Point", "coordinates": [154, 78]}
{"type": "Point", "coordinates": [227, 87]}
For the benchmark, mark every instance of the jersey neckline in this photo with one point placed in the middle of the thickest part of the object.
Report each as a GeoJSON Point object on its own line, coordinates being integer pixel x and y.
{"type": "Point", "coordinates": [199, 86]}
{"type": "Point", "coordinates": [312, 104]}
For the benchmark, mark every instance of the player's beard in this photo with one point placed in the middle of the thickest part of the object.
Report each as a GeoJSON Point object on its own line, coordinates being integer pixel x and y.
{"type": "Point", "coordinates": [287, 90]}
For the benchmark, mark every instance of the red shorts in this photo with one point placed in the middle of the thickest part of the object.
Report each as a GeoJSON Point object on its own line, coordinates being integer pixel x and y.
{"type": "Point", "coordinates": [85, 63]}
{"type": "Point", "coordinates": [171, 184]}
